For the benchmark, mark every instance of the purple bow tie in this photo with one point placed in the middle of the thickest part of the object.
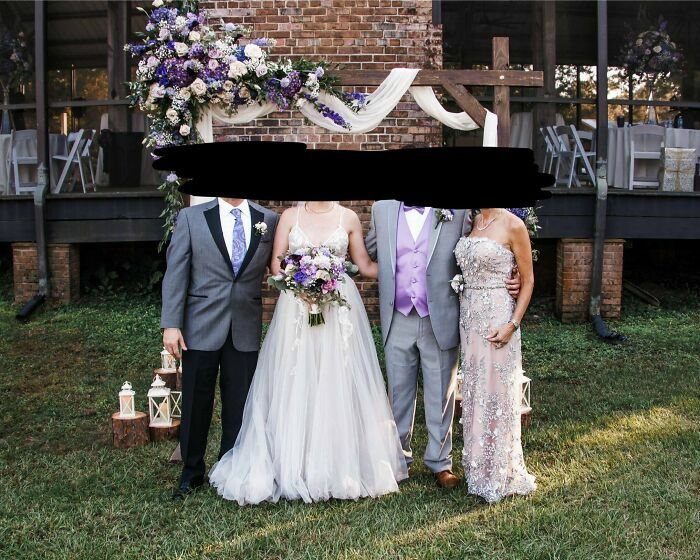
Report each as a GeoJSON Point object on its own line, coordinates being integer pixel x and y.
{"type": "Point", "coordinates": [419, 209]}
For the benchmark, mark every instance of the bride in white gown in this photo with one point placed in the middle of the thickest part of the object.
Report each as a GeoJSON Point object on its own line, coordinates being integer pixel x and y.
{"type": "Point", "coordinates": [317, 422]}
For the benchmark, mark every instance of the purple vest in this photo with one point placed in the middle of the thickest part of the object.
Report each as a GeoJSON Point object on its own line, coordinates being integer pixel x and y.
{"type": "Point", "coordinates": [411, 265]}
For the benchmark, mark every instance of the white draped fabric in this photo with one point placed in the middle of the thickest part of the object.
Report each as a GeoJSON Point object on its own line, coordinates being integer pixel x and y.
{"type": "Point", "coordinates": [379, 104]}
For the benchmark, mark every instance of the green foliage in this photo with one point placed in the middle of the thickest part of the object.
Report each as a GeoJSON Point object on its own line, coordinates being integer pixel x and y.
{"type": "Point", "coordinates": [614, 444]}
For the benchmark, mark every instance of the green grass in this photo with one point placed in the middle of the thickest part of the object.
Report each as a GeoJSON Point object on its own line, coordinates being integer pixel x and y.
{"type": "Point", "coordinates": [615, 446]}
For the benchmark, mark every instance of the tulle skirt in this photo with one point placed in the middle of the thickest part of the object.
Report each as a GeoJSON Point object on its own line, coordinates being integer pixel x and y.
{"type": "Point", "coordinates": [317, 422]}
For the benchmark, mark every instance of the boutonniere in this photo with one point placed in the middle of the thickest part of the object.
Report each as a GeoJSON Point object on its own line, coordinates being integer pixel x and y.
{"type": "Point", "coordinates": [260, 228]}
{"type": "Point", "coordinates": [443, 215]}
{"type": "Point", "coordinates": [457, 283]}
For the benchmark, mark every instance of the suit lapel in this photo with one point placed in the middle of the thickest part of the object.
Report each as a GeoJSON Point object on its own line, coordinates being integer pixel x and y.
{"type": "Point", "coordinates": [214, 223]}
{"type": "Point", "coordinates": [393, 216]}
{"type": "Point", "coordinates": [434, 232]}
{"type": "Point", "coordinates": [255, 217]}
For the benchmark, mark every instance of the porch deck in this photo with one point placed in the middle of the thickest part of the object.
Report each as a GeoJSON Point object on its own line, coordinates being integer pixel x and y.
{"type": "Point", "coordinates": [126, 215]}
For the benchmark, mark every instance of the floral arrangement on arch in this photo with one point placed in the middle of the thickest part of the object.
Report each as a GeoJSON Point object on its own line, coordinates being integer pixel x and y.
{"type": "Point", "coordinates": [15, 60]}
{"type": "Point", "coordinates": [652, 53]}
{"type": "Point", "coordinates": [184, 66]}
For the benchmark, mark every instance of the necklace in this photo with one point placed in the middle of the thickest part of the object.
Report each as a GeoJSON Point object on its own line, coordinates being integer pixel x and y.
{"type": "Point", "coordinates": [306, 207]}
{"type": "Point", "coordinates": [483, 227]}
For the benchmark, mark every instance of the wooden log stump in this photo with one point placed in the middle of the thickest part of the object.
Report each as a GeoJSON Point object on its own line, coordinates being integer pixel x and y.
{"type": "Point", "coordinates": [130, 432]}
{"type": "Point", "coordinates": [164, 433]}
{"type": "Point", "coordinates": [178, 386]}
{"type": "Point", "coordinates": [526, 419]}
{"type": "Point", "coordinates": [168, 375]}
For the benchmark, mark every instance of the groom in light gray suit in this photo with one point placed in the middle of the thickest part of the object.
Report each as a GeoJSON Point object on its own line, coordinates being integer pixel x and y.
{"type": "Point", "coordinates": [212, 311]}
{"type": "Point", "coordinates": [420, 319]}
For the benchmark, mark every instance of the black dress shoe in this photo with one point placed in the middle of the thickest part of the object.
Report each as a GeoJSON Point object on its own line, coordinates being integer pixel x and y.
{"type": "Point", "coordinates": [186, 488]}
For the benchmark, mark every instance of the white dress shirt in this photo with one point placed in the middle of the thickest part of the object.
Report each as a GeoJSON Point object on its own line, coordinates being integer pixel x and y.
{"type": "Point", "coordinates": [228, 220]}
{"type": "Point", "coordinates": [416, 220]}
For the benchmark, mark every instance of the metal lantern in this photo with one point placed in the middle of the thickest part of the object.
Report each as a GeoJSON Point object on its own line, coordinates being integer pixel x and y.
{"type": "Point", "coordinates": [525, 407]}
{"type": "Point", "coordinates": [168, 361]}
{"type": "Point", "coordinates": [176, 404]}
{"type": "Point", "coordinates": [127, 408]}
{"type": "Point", "coordinates": [159, 404]}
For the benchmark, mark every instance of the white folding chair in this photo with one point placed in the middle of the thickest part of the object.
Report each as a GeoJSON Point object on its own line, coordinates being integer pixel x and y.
{"type": "Point", "coordinates": [15, 161]}
{"type": "Point", "coordinates": [548, 152]}
{"type": "Point", "coordinates": [567, 152]}
{"type": "Point", "coordinates": [586, 157]}
{"type": "Point", "coordinates": [646, 141]}
{"type": "Point", "coordinates": [73, 146]}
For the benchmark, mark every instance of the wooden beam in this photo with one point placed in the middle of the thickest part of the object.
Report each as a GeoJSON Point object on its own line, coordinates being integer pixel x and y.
{"type": "Point", "coordinates": [501, 93]}
{"type": "Point", "coordinates": [117, 63]}
{"type": "Point", "coordinates": [467, 102]}
{"type": "Point", "coordinates": [439, 77]}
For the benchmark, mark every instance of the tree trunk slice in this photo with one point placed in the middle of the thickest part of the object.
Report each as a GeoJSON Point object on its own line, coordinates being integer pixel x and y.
{"type": "Point", "coordinates": [130, 432]}
{"type": "Point", "coordinates": [167, 375]}
{"type": "Point", "coordinates": [526, 419]}
{"type": "Point", "coordinates": [176, 457]}
{"type": "Point", "coordinates": [164, 433]}
{"type": "Point", "coordinates": [178, 386]}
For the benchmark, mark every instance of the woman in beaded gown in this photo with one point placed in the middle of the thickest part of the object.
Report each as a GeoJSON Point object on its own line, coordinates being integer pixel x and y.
{"type": "Point", "coordinates": [317, 422]}
{"type": "Point", "coordinates": [491, 356]}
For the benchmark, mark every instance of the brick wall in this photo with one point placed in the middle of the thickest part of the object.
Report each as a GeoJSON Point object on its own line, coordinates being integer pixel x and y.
{"type": "Point", "coordinates": [64, 270]}
{"type": "Point", "coordinates": [359, 35]}
{"type": "Point", "coordinates": [574, 265]}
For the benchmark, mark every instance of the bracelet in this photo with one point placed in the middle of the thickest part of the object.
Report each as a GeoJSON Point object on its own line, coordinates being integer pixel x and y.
{"type": "Point", "coordinates": [514, 323]}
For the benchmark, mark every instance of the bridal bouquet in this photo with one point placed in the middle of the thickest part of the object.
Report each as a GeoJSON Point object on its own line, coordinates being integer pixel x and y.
{"type": "Point", "coordinates": [314, 274]}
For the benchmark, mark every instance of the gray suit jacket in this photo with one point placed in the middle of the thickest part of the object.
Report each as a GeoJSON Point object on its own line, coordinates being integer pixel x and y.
{"type": "Point", "coordinates": [443, 303]}
{"type": "Point", "coordinates": [201, 295]}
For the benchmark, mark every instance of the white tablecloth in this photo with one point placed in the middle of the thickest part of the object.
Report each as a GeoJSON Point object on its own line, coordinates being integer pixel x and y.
{"type": "Point", "coordinates": [619, 156]}
{"type": "Point", "coordinates": [521, 129]}
{"type": "Point", "coordinates": [27, 148]}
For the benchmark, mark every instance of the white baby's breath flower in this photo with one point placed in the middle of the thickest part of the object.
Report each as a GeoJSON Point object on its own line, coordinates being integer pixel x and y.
{"type": "Point", "coordinates": [312, 80]}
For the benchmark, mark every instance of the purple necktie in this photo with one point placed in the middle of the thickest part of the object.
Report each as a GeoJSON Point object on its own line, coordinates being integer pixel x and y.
{"type": "Point", "coordinates": [238, 245]}
{"type": "Point", "coordinates": [419, 209]}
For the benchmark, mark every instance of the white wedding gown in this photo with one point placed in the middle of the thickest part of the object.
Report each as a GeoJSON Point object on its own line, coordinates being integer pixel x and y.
{"type": "Point", "coordinates": [317, 422]}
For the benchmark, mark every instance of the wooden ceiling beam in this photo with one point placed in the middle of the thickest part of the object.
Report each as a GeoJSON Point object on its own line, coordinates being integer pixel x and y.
{"type": "Point", "coordinates": [440, 77]}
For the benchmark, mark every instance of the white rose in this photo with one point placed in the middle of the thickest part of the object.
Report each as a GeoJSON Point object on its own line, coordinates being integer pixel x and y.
{"type": "Point", "coordinates": [301, 102]}
{"type": "Point", "coordinates": [657, 49]}
{"type": "Point", "coordinates": [237, 69]}
{"type": "Point", "coordinates": [194, 36]}
{"type": "Point", "coordinates": [198, 87]}
{"type": "Point", "coordinates": [184, 93]}
{"type": "Point", "coordinates": [180, 21]}
{"type": "Point", "coordinates": [157, 3]}
{"type": "Point", "coordinates": [253, 51]}
{"type": "Point", "coordinates": [164, 34]}
{"type": "Point", "coordinates": [213, 64]}
{"type": "Point", "coordinates": [261, 70]}
{"type": "Point", "coordinates": [171, 115]}
{"type": "Point", "coordinates": [244, 93]}
{"type": "Point", "coordinates": [181, 49]}
{"type": "Point", "coordinates": [228, 85]}
{"type": "Point", "coordinates": [185, 130]}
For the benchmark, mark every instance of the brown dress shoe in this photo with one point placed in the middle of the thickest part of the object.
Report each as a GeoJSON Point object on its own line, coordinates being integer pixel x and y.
{"type": "Point", "coordinates": [446, 479]}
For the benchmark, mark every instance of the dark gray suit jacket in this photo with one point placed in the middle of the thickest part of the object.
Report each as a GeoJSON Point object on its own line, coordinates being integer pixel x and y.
{"type": "Point", "coordinates": [443, 303]}
{"type": "Point", "coordinates": [201, 295]}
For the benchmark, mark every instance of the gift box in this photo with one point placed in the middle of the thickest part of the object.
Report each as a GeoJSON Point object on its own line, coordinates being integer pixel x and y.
{"type": "Point", "coordinates": [677, 171]}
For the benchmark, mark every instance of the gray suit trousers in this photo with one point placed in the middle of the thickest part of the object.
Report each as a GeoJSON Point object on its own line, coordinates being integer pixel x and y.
{"type": "Point", "coordinates": [411, 343]}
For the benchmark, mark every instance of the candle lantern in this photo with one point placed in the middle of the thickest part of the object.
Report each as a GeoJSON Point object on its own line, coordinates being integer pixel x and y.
{"type": "Point", "coordinates": [168, 361]}
{"type": "Point", "coordinates": [176, 404]}
{"type": "Point", "coordinates": [159, 404]}
{"type": "Point", "coordinates": [525, 407]}
{"type": "Point", "coordinates": [126, 401]}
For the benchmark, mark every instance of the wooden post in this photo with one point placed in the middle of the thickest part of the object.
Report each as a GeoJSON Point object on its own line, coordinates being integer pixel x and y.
{"type": "Point", "coordinates": [544, 58]}
{"type": "Point", "coordinates": [117, 63]}
{"type": "Point", "coordinates": [129, 432]}
{"type": "Point", "coordinates": [501, 94]}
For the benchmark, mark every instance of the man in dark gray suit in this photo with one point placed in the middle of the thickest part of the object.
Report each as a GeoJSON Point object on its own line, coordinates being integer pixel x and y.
{"type": "Point", "coordinates": [212, 310]}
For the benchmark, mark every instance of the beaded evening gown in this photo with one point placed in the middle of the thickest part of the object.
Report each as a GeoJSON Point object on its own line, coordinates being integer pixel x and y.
{"type": "Point", "coordinates": [317, 422]}
{"type": "Point", "coordinates": [493, 455]}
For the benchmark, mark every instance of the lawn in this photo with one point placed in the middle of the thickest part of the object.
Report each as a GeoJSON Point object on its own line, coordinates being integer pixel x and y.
{"type": "Point", "coordinates": [615, 446]}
